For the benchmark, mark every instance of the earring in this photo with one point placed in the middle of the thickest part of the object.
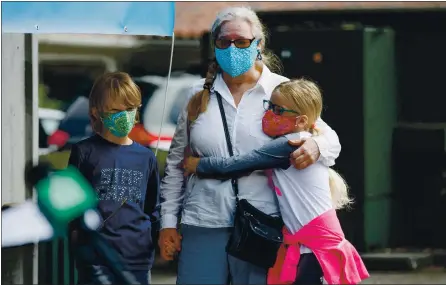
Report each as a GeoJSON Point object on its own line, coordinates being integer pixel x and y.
{"type": "Point", "coordinates": [259, 55]}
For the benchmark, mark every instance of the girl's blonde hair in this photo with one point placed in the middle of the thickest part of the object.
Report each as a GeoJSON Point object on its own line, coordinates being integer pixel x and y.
{"type": "Point", "coordinates": [198, 103]}
{"type": "Point", "coordinates": [339, 190]}
{"type": "Point", "coordinates": [304, 97]}
{"type": "Point", "coordinates": [109, 87]}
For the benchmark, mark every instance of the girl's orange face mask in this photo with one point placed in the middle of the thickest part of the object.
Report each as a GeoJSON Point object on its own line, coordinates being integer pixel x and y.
{"type": "Point", "coordinates": [275, 125]}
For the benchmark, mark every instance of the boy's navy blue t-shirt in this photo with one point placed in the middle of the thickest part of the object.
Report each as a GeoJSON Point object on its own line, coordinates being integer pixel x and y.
{"type": "Point", "coordinates": [126, 180]}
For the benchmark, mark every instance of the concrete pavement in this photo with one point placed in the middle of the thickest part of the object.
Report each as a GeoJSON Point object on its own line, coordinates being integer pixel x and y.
{"type": "Point", "coordinates": [429, 277]}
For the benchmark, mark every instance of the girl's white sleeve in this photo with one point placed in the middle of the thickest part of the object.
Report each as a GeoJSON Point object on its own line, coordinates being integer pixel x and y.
{"type": "Point", "coordinates": [328, 142]}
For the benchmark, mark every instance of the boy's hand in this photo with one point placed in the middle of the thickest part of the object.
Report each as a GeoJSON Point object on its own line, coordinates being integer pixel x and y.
{"type": "Point", "coordinates": [169, 243]}
{"type": "Point", "coordinates": [190, 165]}
{"type": "Point", "coordinates": [169, 249]}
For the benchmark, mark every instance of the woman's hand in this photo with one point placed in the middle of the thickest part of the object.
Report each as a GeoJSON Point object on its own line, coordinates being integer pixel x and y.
{"type": "Point", "coordinates": [168, 250]}
{"type": "Point", "coordinates": [307, 153]}
{"type": "Point", "coordinates": [169, 242]}
{"type": "Point", "coordinates": [190, 165]}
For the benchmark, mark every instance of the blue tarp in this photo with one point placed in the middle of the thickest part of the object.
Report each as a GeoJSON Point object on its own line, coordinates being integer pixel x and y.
{"type": "Point", "coordinates": [131, 18]}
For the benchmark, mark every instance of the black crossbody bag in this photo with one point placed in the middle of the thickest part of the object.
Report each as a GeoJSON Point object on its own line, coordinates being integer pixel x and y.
{"type": "Point", "coordinates": [256, 236]}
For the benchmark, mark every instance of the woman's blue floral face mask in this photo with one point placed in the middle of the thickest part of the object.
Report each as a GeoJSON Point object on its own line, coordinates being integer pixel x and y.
{"type": "Point", "coordinates": [236, 61]}
{"type": "Point", "coordinates": [121, 123]}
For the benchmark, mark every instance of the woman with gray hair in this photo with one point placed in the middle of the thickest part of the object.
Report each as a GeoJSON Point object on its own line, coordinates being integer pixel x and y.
{"type": "Point", "coordinates": [242, 78]}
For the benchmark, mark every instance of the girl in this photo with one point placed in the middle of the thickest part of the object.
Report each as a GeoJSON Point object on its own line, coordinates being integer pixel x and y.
{"type": "Point", "coordinates": [315, 243]}
{"type": "Point", "coordinates": [125, 176]}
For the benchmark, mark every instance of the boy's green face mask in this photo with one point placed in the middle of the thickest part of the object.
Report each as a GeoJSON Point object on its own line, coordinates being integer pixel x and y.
{"type": "Point", "coordinates": [119, 124]}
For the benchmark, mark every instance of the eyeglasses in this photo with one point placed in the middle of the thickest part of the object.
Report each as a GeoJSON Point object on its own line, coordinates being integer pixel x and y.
{"type": "Point", "coordinates": [275, 108]}
{"type": "Point", "coordinates": [240, 43]}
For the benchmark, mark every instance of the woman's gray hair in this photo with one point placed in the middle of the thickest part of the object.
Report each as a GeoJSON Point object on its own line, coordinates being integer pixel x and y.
{"type": "Point", "coordinates": [198, 103]}
{"type": "Point", "coordinates": [245, 13]}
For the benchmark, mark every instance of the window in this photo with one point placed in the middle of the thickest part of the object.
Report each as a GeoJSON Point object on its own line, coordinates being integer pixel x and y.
{"type": "Point", "coordinates": [147, 90]}
{"type": "Point", "coordinates": [178, 105]}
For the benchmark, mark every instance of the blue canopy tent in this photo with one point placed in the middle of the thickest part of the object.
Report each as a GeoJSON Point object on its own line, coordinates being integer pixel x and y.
{"type": "Point", "coordinates": [132, 18]}
{"type": "Point", "coordinates": [123, 18]}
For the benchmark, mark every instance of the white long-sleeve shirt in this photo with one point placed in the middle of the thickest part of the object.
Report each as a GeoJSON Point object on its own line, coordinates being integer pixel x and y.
{"type": "Point", "coordinates": [209, 202]}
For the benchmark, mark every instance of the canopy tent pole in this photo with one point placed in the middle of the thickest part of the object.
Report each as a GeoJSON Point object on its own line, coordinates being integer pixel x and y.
{"type": "Point", "coordinates": [165, 93]}
{"type": "Point", "coordinates": [35, 136]}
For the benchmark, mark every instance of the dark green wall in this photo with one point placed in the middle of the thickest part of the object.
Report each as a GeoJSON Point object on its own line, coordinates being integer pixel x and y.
{"type": "Point", "coordinates": [379, 121]}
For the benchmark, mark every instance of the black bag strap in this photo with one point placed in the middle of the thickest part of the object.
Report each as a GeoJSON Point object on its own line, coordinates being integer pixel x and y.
{"type": "Point", "coordinates": [228, 141]}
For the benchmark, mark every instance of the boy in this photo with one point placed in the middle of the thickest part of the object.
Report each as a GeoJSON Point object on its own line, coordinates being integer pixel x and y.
{"type": "Point", "coordinates": [125, 176]}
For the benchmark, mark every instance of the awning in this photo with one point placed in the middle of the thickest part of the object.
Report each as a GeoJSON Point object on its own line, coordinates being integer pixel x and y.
{"type": "Point", "coordinates": [195, 18]}
{"type": "Point", "coordinates": [128, 18]}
